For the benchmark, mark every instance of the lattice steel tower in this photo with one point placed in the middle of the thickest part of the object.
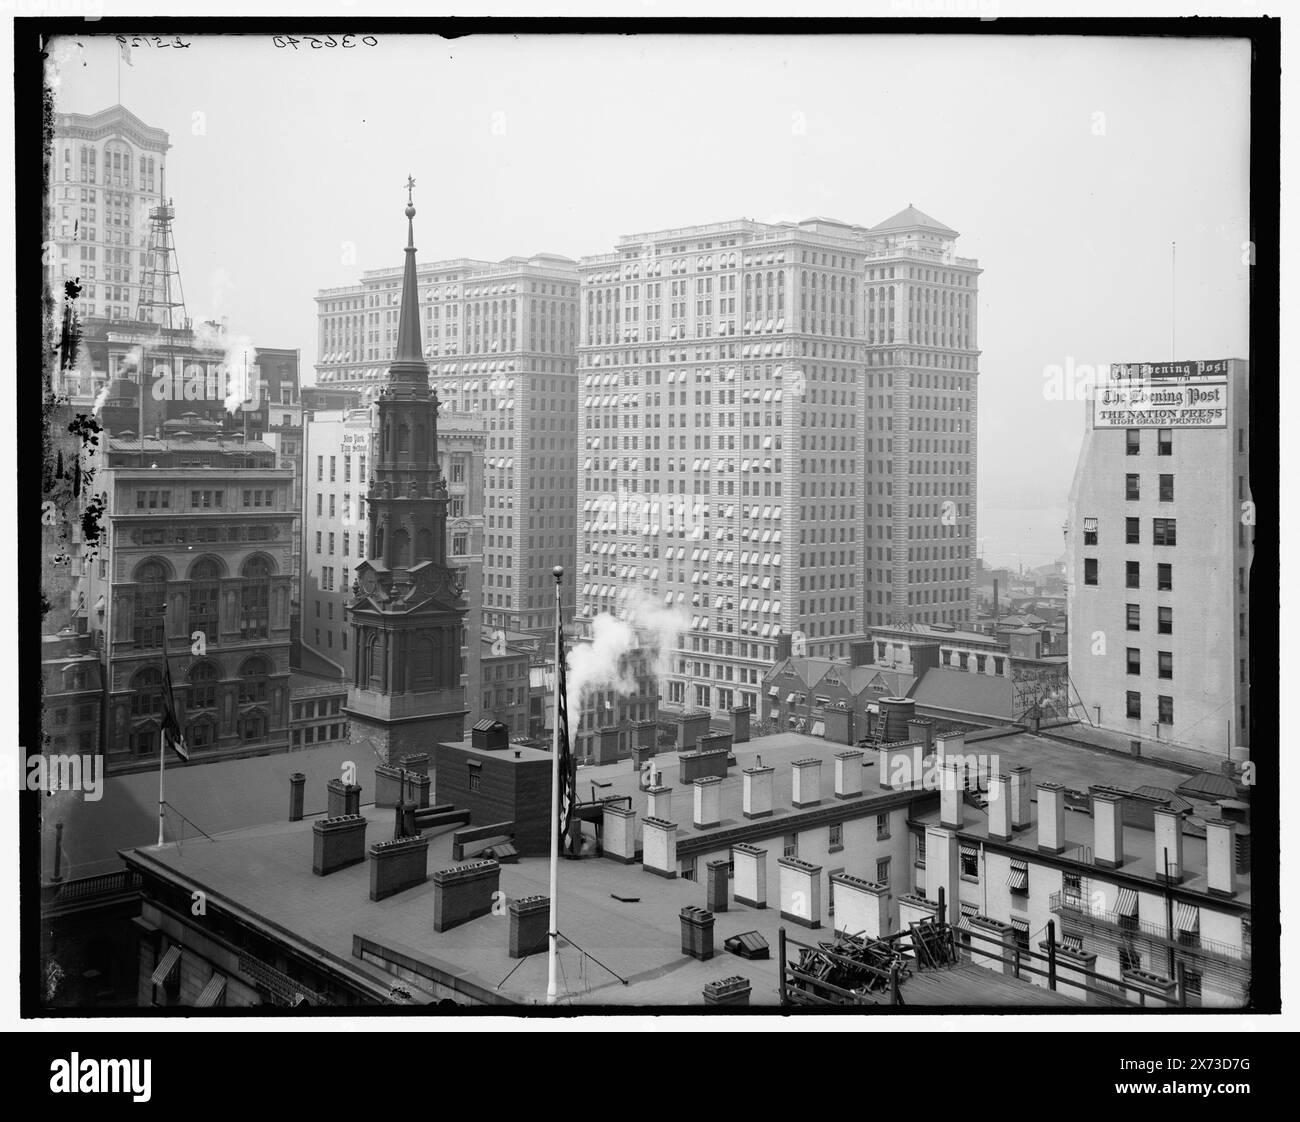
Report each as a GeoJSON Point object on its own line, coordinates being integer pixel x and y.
{"type": "Point", "coordinates": [161, 293]}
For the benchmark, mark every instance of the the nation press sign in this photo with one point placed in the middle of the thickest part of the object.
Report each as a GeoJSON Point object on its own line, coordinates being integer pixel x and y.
{"type": "Point", "coordinates": [1163, 395]}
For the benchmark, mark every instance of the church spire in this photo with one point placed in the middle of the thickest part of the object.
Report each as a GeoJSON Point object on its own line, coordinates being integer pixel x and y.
{"type": "Point", "coordinates": [409, 348]}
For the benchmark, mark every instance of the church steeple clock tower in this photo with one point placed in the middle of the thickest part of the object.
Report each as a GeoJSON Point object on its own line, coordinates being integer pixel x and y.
{"type": "Point", "coordinates": [407, 612]}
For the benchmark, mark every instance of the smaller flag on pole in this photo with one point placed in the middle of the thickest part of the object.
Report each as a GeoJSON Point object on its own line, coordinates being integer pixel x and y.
{"type": "Point", "coordinates": [562, 716]}
{"type": "Point", "coordinates": [125, 49]}
{"type": "Point", "coordinates": [171, 727]}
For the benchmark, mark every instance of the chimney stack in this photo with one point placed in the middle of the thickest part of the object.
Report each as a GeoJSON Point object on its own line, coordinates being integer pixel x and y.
{"type": "Point", "coordinates": [848, 774]}
{"type": "Point", "coordinates": [1107, 830]}
{"type": "Point", "coordinates": [1051, 818]}
{"type": "Point", "coordinates": [1221, 856]}
{"type": "Point", "coordinates": [1020, 789]}
{"type": "Point", "coordinates": [756, 791]}
{"type": "Point", "coordinates": [807, 782]}
{"type": "Point", "coordinates": [1169, 846]}
{"type": "Point", "coordinates": [951, 797]}
{"type": "Point", "coordinates": [1000, 807]}
{"type": "Point", "coordinates": [708, 802]}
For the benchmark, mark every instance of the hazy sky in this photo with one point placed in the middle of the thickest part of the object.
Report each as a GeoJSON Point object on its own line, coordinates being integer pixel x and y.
{"type": "Point", "coordinates": [1068, 165]}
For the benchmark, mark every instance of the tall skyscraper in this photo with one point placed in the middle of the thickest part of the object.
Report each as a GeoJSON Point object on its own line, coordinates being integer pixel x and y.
{"type": "Point", "coordinates": [407, 616]}
{"type": "Point", "coordinates": [1160, 541]}
{"type": "Point", "coordinates": [500, 339]}
{"type": "Point", "coordinates": [778, 439]}
{"type": "Point", "coordinates": [106, 177]}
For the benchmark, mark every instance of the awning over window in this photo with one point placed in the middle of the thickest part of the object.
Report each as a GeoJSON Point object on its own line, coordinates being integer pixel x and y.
{"type": "Point", "coordinates": [1018, 877]}
{"type": "Point", "coordinates": [166, 965]}
{"type": "Point", "coordinates": [819, 728]}
{"type": "Point", "coordinates": [789, 699]}
{"type": "Point", "coordinates": [1187, 918]}
{"type": "Point", "coordinates": [1090, 524]}
{"type": "Point", "coordinates": [1127, 903]}
{"type": "Point", "coordinates": [774, 692]}
{"type": "Point", "coordinates": [967, 910]}
{"type": "Point", "coordinates": [969, 851]}
{"type": "Point", "coordinates": [1021, 925]}
{"type": "Point", "coordinates": [212, 992]}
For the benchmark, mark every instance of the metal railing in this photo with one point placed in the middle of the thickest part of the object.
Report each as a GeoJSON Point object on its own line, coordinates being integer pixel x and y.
{"type": "Point", "coordinates": [1075, 907]}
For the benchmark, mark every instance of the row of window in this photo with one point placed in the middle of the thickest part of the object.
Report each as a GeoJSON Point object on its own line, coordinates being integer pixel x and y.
{"type": "Point", "coordinates": [1164, 531]}
{"type": "Point", "coordinates": [1133, 487]}
{"type": "Point", "coordinates": [1132, 574]}
{"type": "Point", "coordinates": [1164, 442]}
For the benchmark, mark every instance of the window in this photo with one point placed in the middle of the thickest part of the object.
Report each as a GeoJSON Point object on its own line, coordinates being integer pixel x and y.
{"type": "Point", "coordinates": [252, 680]}
{"type": "Point", "coordinates": [1132, 442]}
{"type": "Point", "coordinates": [1132, 573]}
{"type": "Point", "coordinates": [882, 827]}
{"type": "Point", "coordinates": [1134, 660]}
{"type": "Point", "coordinates": [1131, 490]}
{"type": "Point", "coordinates": [1164, 664]}
{"type": "Point", "coordinates": [790, 846]}
{"type": "Point", "coordinates": [1165, 707]}
{"type": "Point", "coordinates": [1133, 617]}
{"type": "Point", "coordinates": [1089, 531]}
{"type": "Point", "coordinates": [1165, 621]}
{"type": "Point", "coordinates": [1164, 442]}
{"type": "Point", "coordinates": [318, 539]}
{"type": "Point", "coordinates": [1018, 878]}
{"type": "Point", "coordinates": [920, 851]}
{"type": "Point", "coordinates": [1164, 531]}
{"type": "Point", "coordinates": [1166, 488]}
{"type": "Point", "coordinates": [475, 778]}
{"type": "Point", "coordinates": [1072, 888]}
{"type": "Point", "coordinates": [1129, 957]}
{"type": "Point", "coordinates": [1090, 570]}
{"type": "Point", "coordinates": [1132, 534]}
{"type": "Point", "coordinates": [970, 862]}
{"type": "Point", "coordinates": [1164, 578]}
{"type": "Point", "coordinates": [255, 599]}
{"type": "Point", "coordinates": [837, 836]}
{"type": "Point", "coordinates": [882, 871]}
{"type": "Point", "coordinates": [1133, 705]}
{"type": "Point", "coordinates": [150, 604]}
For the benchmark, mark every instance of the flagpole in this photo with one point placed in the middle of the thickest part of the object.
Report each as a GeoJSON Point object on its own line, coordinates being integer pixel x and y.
{"type": "Point", "coordinates": [554, 936]}
{"type": "Point", "coordinates": [162, 768]}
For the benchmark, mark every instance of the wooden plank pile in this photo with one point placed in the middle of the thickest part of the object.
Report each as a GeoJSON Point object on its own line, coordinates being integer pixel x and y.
{"type": "Point", "coordinates": [844, 971]}
{"type": "Point", "coordinates": [933, 944]}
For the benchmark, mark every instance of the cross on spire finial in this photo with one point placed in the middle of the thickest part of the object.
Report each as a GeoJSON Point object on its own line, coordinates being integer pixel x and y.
{"type": "Point", "coordinates": [410, 185]}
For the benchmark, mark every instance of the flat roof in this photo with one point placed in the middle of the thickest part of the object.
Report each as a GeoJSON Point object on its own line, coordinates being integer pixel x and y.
{"type": "Point", "coordinates": [638, 937]}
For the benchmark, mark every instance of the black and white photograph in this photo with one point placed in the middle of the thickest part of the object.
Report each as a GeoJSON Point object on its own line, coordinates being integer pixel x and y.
{"type": "Point", "coordinates": [692, 519]}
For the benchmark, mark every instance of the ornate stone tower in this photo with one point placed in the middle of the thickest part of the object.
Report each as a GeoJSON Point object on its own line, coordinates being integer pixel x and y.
{"type": "Point", "coordinates": [407, 612]}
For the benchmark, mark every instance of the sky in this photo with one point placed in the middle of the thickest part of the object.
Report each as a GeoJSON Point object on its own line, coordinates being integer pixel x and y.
{"type": "Point", "coordinates": [1069, 165]}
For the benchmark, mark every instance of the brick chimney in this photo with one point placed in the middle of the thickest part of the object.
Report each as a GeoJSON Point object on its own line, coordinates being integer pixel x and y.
{"type": "Point", "coordinates": [861, 907]}
{"type": "Point", "coordinates": [848, 774]}
{"type": "Point", "coordinates": [756, 792]}
{"type": "Point", "coordinates": [951, 798]}
{"type": "Point", "coordinates": [999, 807]}
{"type": "Point", "coordinates": [801, 891]}
{"type": "Point", "coordinates": [659, 803]}
{"type": "Point", "coordinates": [1221, 856]}
{"type": "Point", "coordinates": [1107, 830]}
{"type": "Point", "coordinates": [1020, 798]}
{"type": "Point", "coordinates": [807, 779]}
{"type": "Point", "coordinates": [1169, 840]}
{"type": "Point", "coordinates": [751, 875]}
{"type": "Point", "coordinates": [659, 847]}
{"type": "Point", "coordinates": [1051, 818]}
{"type": "Point", "coordinates": [708, 802]}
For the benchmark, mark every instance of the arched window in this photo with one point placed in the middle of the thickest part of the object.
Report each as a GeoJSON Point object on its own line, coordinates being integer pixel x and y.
{"type": "Point", "coordinates": [252, 680]}
{"type": "Point", "coordinates": [401, 549]}
{"type": "Point", "coordinates": [147, 692]}
{"type": "Point", "coordinates": [255, 598]}
{"type": "Point", "coordinates": [424, 546]}
{"type": "Point", "coordinates": [150, 603]}
{"type": "Point", "coordinates": [421, 442]}
{"type": "Point", "coordinates": [422, 662]}
{"type": "Point", "coordinates": [403, 438]}
{"type": "Point", "coordinates": [203, 685]}
{"type": "Point", "coordinates": [201, 733]}
{"type": "Point", "coordinates": [204, 594]}
{"type": "Point", "coordinates": [374, 663]}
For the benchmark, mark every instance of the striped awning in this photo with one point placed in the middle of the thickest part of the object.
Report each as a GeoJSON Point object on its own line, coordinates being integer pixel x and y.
{"type": "Point", "coordinates": [967, 910]}
{"type": "Point", "coordinates": [1187, 918]}
{"type": "Point", "coordinates": [1018, 877]}
{"type": "Point", "coordinates": [1072, 943]}
{"type": "Point", "coordinates": [212, 992]}
{"type": "Point", "coordinates": [168, 963]}
{"type": "Point", "coordinates": [1021, 925]}
{"type": "Point", "coordinates": [819, 728]}
{"type": "Point", "coordinates": [1127, 902]}
{"type": "Point", "coordinates": [969, 851]}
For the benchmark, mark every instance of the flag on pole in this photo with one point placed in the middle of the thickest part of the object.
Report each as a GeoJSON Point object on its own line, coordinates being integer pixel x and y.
{"type": "Point", "coordinates": [125, 48]}
{"type": "Point", "coordinates": [171, 727]}
{"type": "Point", "coordinates": [562, 717]}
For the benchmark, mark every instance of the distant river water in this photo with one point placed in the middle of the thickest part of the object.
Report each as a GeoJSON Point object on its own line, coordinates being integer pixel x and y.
{"type": "Point", "coordinates": [1009, 536]}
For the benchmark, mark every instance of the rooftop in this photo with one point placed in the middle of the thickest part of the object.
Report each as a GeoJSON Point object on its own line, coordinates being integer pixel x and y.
{"type": "Point", "coordinates": [910, 218]}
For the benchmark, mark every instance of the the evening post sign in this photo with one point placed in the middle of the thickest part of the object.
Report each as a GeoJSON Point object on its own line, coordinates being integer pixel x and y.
{"type": "Point", "coordinates": [1163, 395]}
